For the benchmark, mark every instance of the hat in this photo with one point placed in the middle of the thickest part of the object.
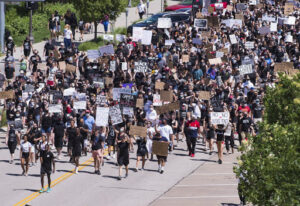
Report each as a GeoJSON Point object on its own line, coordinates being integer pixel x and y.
{"type": "Point", "coordinates": [10, 38]}
{"type": "Point", "coordinates": [87, 111]}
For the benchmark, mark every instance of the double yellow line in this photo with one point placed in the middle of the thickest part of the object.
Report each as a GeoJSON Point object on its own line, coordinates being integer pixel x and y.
{"type": "Point", "coordinates": [56, 181]}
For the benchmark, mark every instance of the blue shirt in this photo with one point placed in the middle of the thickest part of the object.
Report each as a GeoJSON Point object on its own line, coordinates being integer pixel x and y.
{"type": "Point", "coordinates": [89, 121]}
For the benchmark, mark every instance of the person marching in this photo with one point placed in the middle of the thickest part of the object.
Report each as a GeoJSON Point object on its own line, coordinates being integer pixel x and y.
{"type": "Point", "coordinates": [161, 160]}
{"type": "Point", "coordinates": [141, 152]}
{"type": "Point", "coordinates": [123, 152]}
{"type": "Point", "coordinates": [193, 127]}
{"type": "Point", "coordinates": [98, 139]}
{"type": "Point", "coordinates": [111, 139]}
{"type": "Point", "coordinates": [47, 161]}
{"type": "Point", "coordinates": [220, 130]}
{"type": "Point", "coordinates": [76, 149]}
{"type": "Point", "coordinates": [25, 151]}
{"type": "Point", "coordinates": [11, 141]}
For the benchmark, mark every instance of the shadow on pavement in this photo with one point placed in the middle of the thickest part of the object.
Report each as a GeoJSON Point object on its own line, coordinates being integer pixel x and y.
{"type": "Point", "coordinates": [178, 154]}
{"type": "Point", "coordinates": [4, 161]}
{"type": "Point", "coordinates": [69, 171]}
{"type": "Point", "coordinates": [109, 176]}
{"type": "Point", "coordinates": [12, 174]}
{"type": "Point", "coordinates": [31, 190]}
{"type": "Point", "coordinates": [229, 204]}
{"type": "Point", "coordinates": [34, 175]}
{"type": "Point", "coordinates": [204, 160]}
{"type": "Point", "coordinates": [88, 172]}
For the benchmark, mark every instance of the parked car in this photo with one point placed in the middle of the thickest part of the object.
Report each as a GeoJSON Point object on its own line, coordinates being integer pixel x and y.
{"type": "Point", "coordinates": [151, 22]}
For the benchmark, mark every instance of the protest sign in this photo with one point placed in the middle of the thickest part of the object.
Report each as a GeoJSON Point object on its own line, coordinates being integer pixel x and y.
{"type": "Point", "coordinates": [215, 61]}
{"type": "Point", "coordinates": [248, 60]}
{"type": "Point", "coordinates": [138, 131]}
{"type": "Point", "coordinates": [118, 91]}
{"type": "Point", "coordinates": [115, 115]}
{"type": "Point", "coordinates": [120, 37]}
{"type": "Point", "coordinates": [108, 81]}
{"type": "Point", "coordinates": [102, 116]}
{"type": "Point", "coordinates": [197, 41]}
{"type": "Point", "coordinates": [137, 33]}
{"type": "Point", "coordinates": [200, 23]}
{"type": "Point", "coordinates": [127, 85]}
{"type": "Point", "coordinates": [159, 85]}
{"type": "Point", "coordinates": [166, 96]}
{"type": "Point", "coordinates": [56, 54]}
{"type": "Point", "coordinates": [233, 39]}
{"type": "Point", "coordinates": [29, 88]}
{"type": "Point", "coordinates": [264, 30]}
{"type": "Point", "coordinates": [164, 23]}
{"type": "Point", "coordinates": [229, 8]}
{"type": "Point", "coordinates": [112, 66]}
{"type": "Point", "coordinates": [268, 18]}
{"type": "Point", "coordinates": [81, 96]}
{"type": "Point", "coordinates": [210, 9]}
{"type": "Point", "coordinates": [108, 37]}
{"type": "Point", "coordinates": [7, 94]}
{"type": "Point", "coordinates": [288, 8]}
{"type": "Point", "coordinates": [205, 95]}
{"type": "Point", "coordinates": [55, 108]}
{"type": "Point", "coordinates": [185, 58]}
{"type": "Point", "coordinates": [245, 69]}
{"type": "Point", "coordinates": [252, 2]}
{"type": "Point", "coordinates": [140, 103]}
{"type": "Point", "coordinates": [273, 27]}
{"type": "Point", "coordinates": [169, 42]}
{"type": "Point", "coordinates": [213, 21]}
{"type": "Point", "coordinates": [219, 54]}
{"type": "Point", "coordinates": [79, 105]}
{"type": "Point", "coordinates": [241, 6]}
{"type": "Point", "coordinates": [249, 45]}
{"type": "Point", "coordinates": [69, 92]}
{"type": "Point", "coordinates": [127, 100]}
{"type": "Point", "coordinates": [167, 108]}
{"type": "Point", "coordinates": [219, 118]}
{"type": "Point", "coordinates": [124, 66]}
{"type": "Point", "coordinates": [156, 100]}
{"type": "Point", "coordinates": [199, 15]}
{"type": "Point", "coordinates": [100, 100]}
{"type": "Point", "coordinates": [93, 54]}
{"type": "Point", "coordinates": [128, 111]}
{"type": "Point", "coordinates": [160, 148]}
{"type": "Point", "coordinates": [224, 50]}
{"type": "Point", "coordinates": [42, 66]}
{"type": "Point", "coordinates": [232, 22]}
{"type": "Point", "coordinates": [283, 66]}
{"type": "Point", "coordinates": [25, 96]}
{"type": "Point", "coordinates": [140, 66]}
{"type": "Point", "coordinates": [108, 49]}
{"type": "Point", "coordinates": [291, 20]}
{"type": "Point", "coordinates": [239, 16]}
{"type": "Point", "coordinates": [70, 68]}
{"type": "Point", "coordinates": [147, 37]}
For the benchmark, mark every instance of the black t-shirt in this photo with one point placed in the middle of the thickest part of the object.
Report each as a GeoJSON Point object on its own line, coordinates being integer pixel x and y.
{"type": "Point", "coordinates": [246, 123]}
{"type": "Point", "coordinates": [257, 111]}
{"type": "Point", "coordinates": [47, 48]}
{"type": "Point", "coordinates": [26, 45]}
{"type": "Point", "coordinates": [59, 129]}
{"type": "Point", "coordinates": [71, 133]}
{"type": "Point", "coordinates": [12, 137]}
{"type": "Point", "coordinates": [48, 159]}
{"type": "Point", "coordinates": [10, 45]}
{"type": "Point", "coordinates": [9, 72]}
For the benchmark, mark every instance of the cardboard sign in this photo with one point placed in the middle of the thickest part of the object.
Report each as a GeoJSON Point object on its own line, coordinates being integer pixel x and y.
{"type": "Point", "coordinates": [112, 66]}
{"type": "Point", "coordinates": [108, 81]}
{"type": "Point", "coordinates": [239, 16]}
{"type": "Point", "coordinates": [127, 100]}
{"type": "Point", "coordinates": [220, 118]}
{"type": "Point", "coordinates": [159, 85]}
{"type": "Point", "coordinates": [70, 68]}
{"type": "Point", "coordinates": [288, 9]}
{"type": "Point", "coordinates": [156, 100]}
{"type": "Point", "coordinates": [140, 66]}
{"type": "Point", "coordinates": [140, 103]}
{"type": "Point", "coordinates": [210, 9]}
{"type": "Point", "coordinates": [108, 50]}
{"type": "Point", "coordinates": [283, 66]}
{"type": "Point", "coordinates": [200, 23]}
{"type": "Point", "coordinates": [102, 116]}
{"type": "Point", "coordinates": [115, 115]}
{"type": "Point", "coordinates": [138, 131]}
{"type": "Point", "coordinates": [199, 15]}
{"type": "Point", "coordinates": [42, 66]}
{"type": "Point", "coordinates": [215, 61]}
{"type": "Point", "coordinates": [7, 94]}
{"type": "Point", "coordinates": [93, 54]}
{"type": "Point", "coordinates": [164, 23]}
{"type": "Point", "coordinates": [166, 96]}
{"type": "Point", "coordinates": [249, 45]}
{"type": "Point", "coordinates": [147, 37]}
{"type": "Point", "coordinates": [160, 148]}
{"type": "Point", "coordinates": [62, 66]}
{"type": "Point", "coordinates": [213, 21]}
{"type": "Point", "coordinates": [118, 91]}
{"type": "Point", "coordinates": [185, 58]}
{"type": "Point", "coordinates": [55, 108]}
{"type": "Point", "coordinates": [167, 108]}
{"type": "Point", "coordinates": [79, 105]}
{"type": "Point", "coordinates": [245, 69]}
{"type": "Point", "coordinates": [205, 95]}
{"type": "Point", "coordinates": [233, 39]}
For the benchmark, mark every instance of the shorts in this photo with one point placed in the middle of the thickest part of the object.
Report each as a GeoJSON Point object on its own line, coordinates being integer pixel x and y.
{"type": "Point", "coordinates": [12, 147]}
{"type": "Point", "coordinates": [123, 160]}
{"type": "Point", "coordinates": [58, 142]}
{"type": "Point", "coordinates": [164, 158]}
{"type": "Point", "coordinates": [44, 171]}
{"type": "Point", "coordinates": [25, 155]}
{"type": "Point", "coordinates": [26, 52]}
{"type": "Point", "coordinates": [110, 142]}
{"type": "Point", "coordinates": [220, 138]}
{"type": "Point", "coordinates": [97, 153]}
{"type": "Point", "coordinates": [48, 130]}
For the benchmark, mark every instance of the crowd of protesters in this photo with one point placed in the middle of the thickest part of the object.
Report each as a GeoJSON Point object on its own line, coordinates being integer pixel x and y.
{"type": "Point", "coordinates": [239, 95]}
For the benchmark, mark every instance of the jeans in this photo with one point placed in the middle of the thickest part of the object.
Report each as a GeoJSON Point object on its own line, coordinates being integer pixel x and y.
{"type": "Point", "coordinates": [191, 143]}
{"type": "Point", "coordinates": [67, 43]}
{"type": "Point", "coordinates": [105, 24]}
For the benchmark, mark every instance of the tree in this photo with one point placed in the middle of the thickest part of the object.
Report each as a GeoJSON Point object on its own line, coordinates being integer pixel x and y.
{"type": "Point", "coordinates": [269, 168]}
{"type": "Point", "coordinates": [95, 10]}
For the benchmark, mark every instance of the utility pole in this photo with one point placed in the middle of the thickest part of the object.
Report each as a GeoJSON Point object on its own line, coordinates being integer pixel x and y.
{"type": "Point", "coordinates": [2, 26]}
{"type": "Point", "coordinates": [147, 8]}
{"type": "Point", "coordinates": [126, 12]}
{"type": "Point", "coordinates": [30, 26]}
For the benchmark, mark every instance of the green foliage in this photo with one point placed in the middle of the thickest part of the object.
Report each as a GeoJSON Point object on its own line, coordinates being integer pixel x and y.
{"type": "Point", "coordinates": [120, 30]}
{"type": "Point", "coordinates": [91, 45]}
{"type": "Point", "coordinates": [270, 167]}
{"type": "Point", "coordinates": [3, 118]}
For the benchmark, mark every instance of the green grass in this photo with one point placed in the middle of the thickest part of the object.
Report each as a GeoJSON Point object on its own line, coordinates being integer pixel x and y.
{"type": "Point", "coordinates": [91, 45]}
{"type": "Point", "coordinates": [120, 30]}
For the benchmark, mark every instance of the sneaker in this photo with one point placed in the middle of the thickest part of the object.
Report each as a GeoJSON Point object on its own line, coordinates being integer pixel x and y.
{"type": "Point", "coordinates": [210, 153]}
{"type": "Point", "coordinates": [98, 172]}
{"type": "Point", "coordinates": [26, 174]}
{"type": "Point", "coordinates": [76, 170]}
{"type": "Point", "coordinates": [159, 170]}
{"type": "Point", "coordinates": [162, 171]}
{"type": "Point", "coordinates": [119, 178]}
{"type": "Point", "coordinates": [108, 157]}
{"type": "Point", "coordinates": [114, 156]}
{"type": "Point", "coordinates": [192, 155]}
{"type": "Point", "coordinates": [23, 173]}
{"type": "Point", "coordinates": [42, 190]}
{"type": "Point", "coordinates": [10, 161]}
{"type": "Point", "coordinates": [49, 189]}
{"type": "Point", "coordinates": [220, 161]}
{"type": "Point", "coordinates": [126, 175]}
{"type": "Point", "coordinates": [136, 170]}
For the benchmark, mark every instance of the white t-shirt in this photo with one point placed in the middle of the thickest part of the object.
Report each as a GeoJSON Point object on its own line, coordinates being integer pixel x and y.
{"type": "Point", "coordinates": [165, 131]}
{"type": "Point", "coordinates": [141, 8]}
{"type": "Point", "coordinates": [151, 116]}
{"type": "Point", "coordinates": [25, 146]}
{"type": "Point", "coordinates": [67, 33]}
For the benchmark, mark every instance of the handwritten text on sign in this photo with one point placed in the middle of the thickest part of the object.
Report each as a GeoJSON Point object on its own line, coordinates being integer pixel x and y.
{"type": "Point", "coordinates": [220, 118]}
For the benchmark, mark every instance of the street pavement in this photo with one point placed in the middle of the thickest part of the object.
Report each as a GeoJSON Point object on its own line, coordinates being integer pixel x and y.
{"type": "Point", "coordinates": [186, 181]}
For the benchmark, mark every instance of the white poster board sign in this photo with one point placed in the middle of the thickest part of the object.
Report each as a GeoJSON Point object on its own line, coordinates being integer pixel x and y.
{"type": "Point", "coordinates": [115, 115]}
{"type": "Point", "coordinates": [128, 111]}
{"type": "Point", "coordinates": [164, 23]}
{"type": "Point", "coordinates": [124, 66]}
{"type": "Point", "coordinates": [102, 116]}
{"type": "Point", "coordinates": [108, 37]}
{"type": "Point", "coordinates": [245, 69]}
{"type": "Point", "coordinates": [140, 66]}
{"type": "Point", "coordinates": [120, 37]}
{"type": "Point", "coordinates": [55, 108]}
{"type": "Point", "coordinates": [273, 27]}
{"type": "Point", "coordinates": [80, 105]}
{"type": "Point", "coordinates": [147, 37]}
{"type": "Point", "coordinates": [118, 91]}
{"type": "Point", "coordinates": [169, 42]}
{"type": "Point", "coordinates": [220, 118]}
{"type": "Point", "coordinates": [112, 66]}
{"type": "Point", "coordinates": [249, 44]}
{"type": "Point", "coordinates": [233, 39]}
{"type": "Point", "coordinates": [291, 20]}
{"type": "Point", "coordinates": [137, 33]}
{"type": "Point", "coordinates": [200, 23]}
{"type": "Point", "coordinates": [156, 100]}
{"type": "Point", "coordinates": [69, 92]}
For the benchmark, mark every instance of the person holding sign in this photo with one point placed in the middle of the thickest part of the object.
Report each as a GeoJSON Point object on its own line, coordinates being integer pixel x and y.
{"type": "Point", "coordinates": [161, 160]}
{"type": "Point", "coordinates": [193, 127]}
{"type": "Point", "coordinates": [123, 152]}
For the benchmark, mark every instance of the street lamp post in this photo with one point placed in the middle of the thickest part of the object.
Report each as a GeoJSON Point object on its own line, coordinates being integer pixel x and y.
{"type": "Point", "coordinates": [147, 8]}
{"type": "Point", "coordinates": [126, 12]}
{"type": "Point", "coordinates": [129, 4]}
{"type": "Point", "coordinates": [2, 26]}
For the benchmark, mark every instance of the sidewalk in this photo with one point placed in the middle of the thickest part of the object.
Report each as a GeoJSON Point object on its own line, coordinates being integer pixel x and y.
{"type": "Point", "coordinates": [154, 7]}
{"type": "Point", "coordinates": [211, 184]}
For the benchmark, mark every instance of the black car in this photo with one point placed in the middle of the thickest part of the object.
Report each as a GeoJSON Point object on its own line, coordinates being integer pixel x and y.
{"type": "Point", "coordinates": [151, 22]}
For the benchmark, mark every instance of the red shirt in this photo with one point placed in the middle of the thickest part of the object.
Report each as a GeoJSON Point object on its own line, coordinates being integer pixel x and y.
{"type": "Point", "coordinates": [193, 128]}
